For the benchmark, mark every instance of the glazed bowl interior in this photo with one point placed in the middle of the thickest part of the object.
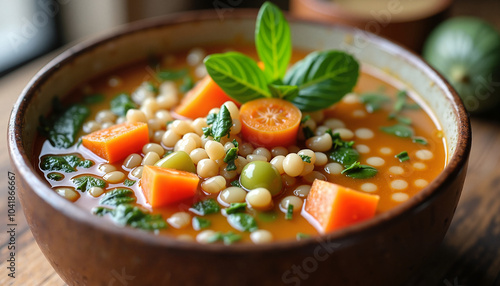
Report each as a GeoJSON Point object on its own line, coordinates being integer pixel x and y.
{"type": "Point", "coordinates": [90, 59]}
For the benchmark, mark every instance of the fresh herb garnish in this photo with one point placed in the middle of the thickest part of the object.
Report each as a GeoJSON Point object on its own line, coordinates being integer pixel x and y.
{"type": "Point", "coordinates": [117, 197]}
{"type": "Point", "coordinates": [373, 101]}
{"type": "Point", "coordinates": [55, 176]}
{"type": "Point", "coordinates": [358, 171]}
{"type": "Point", "coordinates": [201, 223]}
{"type": "Point", "coordinates": [305, 118]}
{"type": "Point", "coordinates": [187, 84]}
{"type": "Point", "coordinates": [289, 212]}
{"type": "Point", "coordinates": [337, 141]}
{"type": "Point", "coordinates": [345, 156]}
{"type": "Point", "coordinates": [121, 103]}
{"type": "Point", "coordinates": [209, 206]}
{"type": "Point", "coordinates": [419, 140]}
{"type": "Point", "coordinates": [301, 236]}
{"type": "Point", "coordinates": [129, 183]}
{"type": "Point", "coordinates": [133, 216]}
{"type": "Point", "coordinates": [236, 207]}
{"type": "Point", "coordinates": [308, 133]}
{"type": "Point", "coordinates": [399, 130]}
{"type": "Point", "coordinates": [93, 98]}
{"type": "Point", "coordinates": [64, 163]}
{"type": "Point", "coordinates": [236, 183]}
{"type": "Point", "coordinates": [316, 82]}
{"type": "Point", "coordinates": [150, 87]}
{"type": "Point", "coordinates": [269, 216]}
{"type": "Point", "coordinates": [220, 125]}
{"type": "Point", "coordinates": [404, 120]}
{"type": "Point", "coordinates": [227, 238]}
{"type": "Point", "coordinates": [171, 74]}
{"type": "Point", "coordinates": [84, 183]}
{"type": "Point", "coordinates": [400, 101]}
{"type": "Point", "coordinates": [64, 124]}
{"type": "Point", "coordinates": [242, 222]}
{"type": "Point", "coordinates": [305, 158]}
{"type": "Point", "coordinates": [403, 156]}
{"type": "Point", "coordinates": [231, 155]}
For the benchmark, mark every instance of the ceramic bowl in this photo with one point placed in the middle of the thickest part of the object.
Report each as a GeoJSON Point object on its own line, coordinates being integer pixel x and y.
{"type": "Point", "coordinates": [88, 250]}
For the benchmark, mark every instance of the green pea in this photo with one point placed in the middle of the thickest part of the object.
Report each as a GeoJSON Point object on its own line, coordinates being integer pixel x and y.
{"type": "Point", "coordinates": [260, 174]}
{"type": "Point", "coordinates": [179, 160]}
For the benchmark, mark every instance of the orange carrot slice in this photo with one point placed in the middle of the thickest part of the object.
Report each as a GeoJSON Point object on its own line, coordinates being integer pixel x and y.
{"type": "Point", "coordinates": [270, 122]}
{"type": "Point", "coordinates": [162, 186]}
{"type": "Point", "coordinates": [205, 95]}
{"type": "Point", "coordinates": [334, 206]}
{"type": "Point", "coordinates": [118, 141]}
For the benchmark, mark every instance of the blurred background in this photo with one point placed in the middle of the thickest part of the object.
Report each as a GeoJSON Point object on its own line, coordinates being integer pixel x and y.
{"type": "Point", "coordinates": [31, 28]}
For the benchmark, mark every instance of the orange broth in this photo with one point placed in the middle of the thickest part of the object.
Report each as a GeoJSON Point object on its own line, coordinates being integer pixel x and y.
{"type": "Point", "coordinates": [415, 173]}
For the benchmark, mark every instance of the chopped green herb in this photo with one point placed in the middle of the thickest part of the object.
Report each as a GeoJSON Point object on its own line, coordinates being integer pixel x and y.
{"type": "Point", "coordinates": [242, 222]}
{"type": "Point", "coordinates": [211, 117]}
{"type": "Point", "coordinates": [84, 183]}
{"type": "Point", "coordinates": [289, 212]}
{"type": "Point", "coordinates": [221, 125]}
{"type": "Point", "coordinates": [373, 101]}
{"type": "Point", "coordinates": [93, 98]}
{"type": "Point", "coordinates": [171, 74]}
{"type": "Point", "coordinates": [209, 206]}
{"type": "Point", "coordinates": [301, 236]}
{"type": "Point", "coordinates": [151, 87]}
{"type": "Point", "coordinates": [305, 118]}
{"type": "Point", "coordinates": [64, 163]}
{"type": "Point", "coordinates": [133, 216]}
{"type": "Point", "coordinates": [305, 158]}
{"type": "Point", "coordinates": [344, 155]}
{"type": "Point", "coordinates": [404, 120]}
{"type": "Point", "coordinates": [129, 183]}
{"type": "Point", "coordinates": [117, 197]}
{"type": "Point", "coordinates": [337, 142]}
{"type": "Point", "coordinates": [227, 238]}
{"type": "Point", "coordinates": [187, 84]}
{"type": "Point", "coordinates": [399, 130]}
{"type": "Point", "coordinates": [231, 155]}
{"type": "Point", "coordinates": [55, 176]}
{"type": "Point", "coordinates": [201, 223]}
{"type": "Point", "coordinates": [358, 171]}
{"type": "Point", "coordinates": [286, 92]}
{"type": "Point", "coordinates": [403, 156]}
{"type": "Point", "coordinates": [269, 216]}
{"type": "Point", "coordinates": [308, 133]}
{"type": "Point", "coordinates": [400, 101]}
{"type": "Point", "coordinates": [121, 103]}
{"type": "Point", "coordinates": [236, 183]}
{"type": "Point", "coordinates": [419, 140]}
{"type": "Point", "coordinates": [236, 207]}
{"type": "Point", "coordinates": [62, 127]}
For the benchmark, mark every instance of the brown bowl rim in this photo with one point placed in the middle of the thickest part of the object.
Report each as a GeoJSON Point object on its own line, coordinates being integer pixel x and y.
{"type": "Point", "coordinates": [25, 168]}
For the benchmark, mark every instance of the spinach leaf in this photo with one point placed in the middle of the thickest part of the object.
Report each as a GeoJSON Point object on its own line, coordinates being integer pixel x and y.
{"type": "Point", "coordinates": [323, 78]}
{"type": "Point", "coordinates": [419, 140]}
{"type": "Point", "coordinates": [400, 101]}
{"type": "Point", "coordinates": [84, 183]}
{"type": "Point", "coordinates": [373, 101]}
{"type": "Point", "coordinates": [403, 156]}
{"type": "Point", "coordinates": [228, 238]}
{"type": "Point", "coordinates": [238, 75]}
{"type": "Point", "coordinates": [63, 126]}
{"type": "Point", "coordinates": [344, 155]}
{"type": "Point", "coordinates": [399, 130]}
{"type": "Point", "coordinates": [231, 155]}
{"type": "Point", "coordinates": [404, 120]}
{"type": "Point", "coordinates": [236, 183]}
{"type": "Point", "coordinates": [171, 74]}
{"type": "Point", "coordinates": [55, 176]}
{"type": "Point", "coordinates": [201, 223]}
{"type": "Point", "coordinates": [242, 222]}
{"type": "Point", "coordinates": [221, 125]}
{"type": "Point", "coordinates": [121, 103]}
{"type": "Point", "coordinates": [305, 158]}
{"type": "Point", "coordinates": [236, 207]}
{"type": "Point", "coordinates": [134, 216]}
{"type": "Point", "coordinates": [273, 41]}
{"type": "Point", "coordinates": [209, 206]}
{"type": "Point", "coordinates": [129, 183]}
{"type": "Point", "coordinates": [93, 98]}
{"type": "Point", "coordinates": [358, 171]}
{"type": "Point", "coordinates": [308, 133]}
{"type": "Point", "coordinates": [286, 92]}
{"type": "Point", "coordinates": [289, 212]}
{"type": "Point", "coordinates": [63, 163]}
{"type": "Point", "coordinates": [117, 197]}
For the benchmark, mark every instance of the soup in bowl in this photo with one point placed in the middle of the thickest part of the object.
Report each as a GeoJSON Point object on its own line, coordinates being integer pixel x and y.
{"type": "Point", "coordinates": [149, 160]}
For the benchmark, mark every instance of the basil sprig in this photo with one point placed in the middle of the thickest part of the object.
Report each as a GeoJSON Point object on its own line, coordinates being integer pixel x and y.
{"type": "Point", "coordinates": [316, 82]}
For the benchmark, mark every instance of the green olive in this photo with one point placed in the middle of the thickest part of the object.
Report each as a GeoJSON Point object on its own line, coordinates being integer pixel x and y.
{"type": "Point", "coordinates": [179, 160]}
{"type": "Point", "coordinates": [260, 174]}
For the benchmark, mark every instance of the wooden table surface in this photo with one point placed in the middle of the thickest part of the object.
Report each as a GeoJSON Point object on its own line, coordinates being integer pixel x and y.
{"type": "Point", "coordinates": [469, 254]}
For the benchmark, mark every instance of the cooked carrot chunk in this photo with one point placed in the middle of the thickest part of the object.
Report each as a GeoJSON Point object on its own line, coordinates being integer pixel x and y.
{"type": "Point", "coordinates": [162, 186]}
{"type": "Point", "coordinates": [118, 141]}
{"type": "Point", "coordinates": [204, 96]}
{"type": "Point", "coordinates": [334, 206]}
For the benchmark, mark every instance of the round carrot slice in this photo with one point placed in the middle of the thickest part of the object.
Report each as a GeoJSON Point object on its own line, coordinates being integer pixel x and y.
{"type": "Point", "coordinates": [270, 122]}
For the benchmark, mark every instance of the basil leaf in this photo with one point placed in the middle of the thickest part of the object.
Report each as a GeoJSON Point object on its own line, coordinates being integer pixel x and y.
{"type": "Point", "coordinates": [62, 133]}
{"type": "Point", "coordinates": [126, 214]}
{"type": "Point", "coordinates": [358, 171]}
{"type": "Point", "coordinates": [117, 197]}
{"type": "Point", "coordinates": [238, 75]}
{"type": "Point", "coordinates": [419, 140]}
{"type": "Point", "coordinates": [286, 92]}
{"type": "Point", "coordinates": [64, 163]}
{"type": "Point", "coordinates": [231, 155]}
{"type": "Point", "coordinates": [242, 222]}
{"type": "Point", "coordinates": [129, 183]}
{"type": "Point", "coordinates": [121, 103]}
{"type": "Point", "coordinates": [55, 176]}
{"type": "Point", "coordinates": [221, 124]}
{"type": "Point", "coordinates": [403, 156]}
{"type": "Point", "coordinates": [399, 130]}
{"type": "Point", "coordinates": [273, 41]}
{"type": "Point", "coordinates": [344, 156]}
{"type": "Point", "coordinates": [236, 207]}
{"type": "Point", "coordinates": [84, 183]}
{"type": "Point", "coordinates": [171, 74]}
{"type": "Point", "coordinates": [200, 223]}
{"type": "Point", "coordinates": [373, 101]}
{"type": "Point", "coordinates": [323, 78]}
{"type": "Point", "coordinates": [209, 206]}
